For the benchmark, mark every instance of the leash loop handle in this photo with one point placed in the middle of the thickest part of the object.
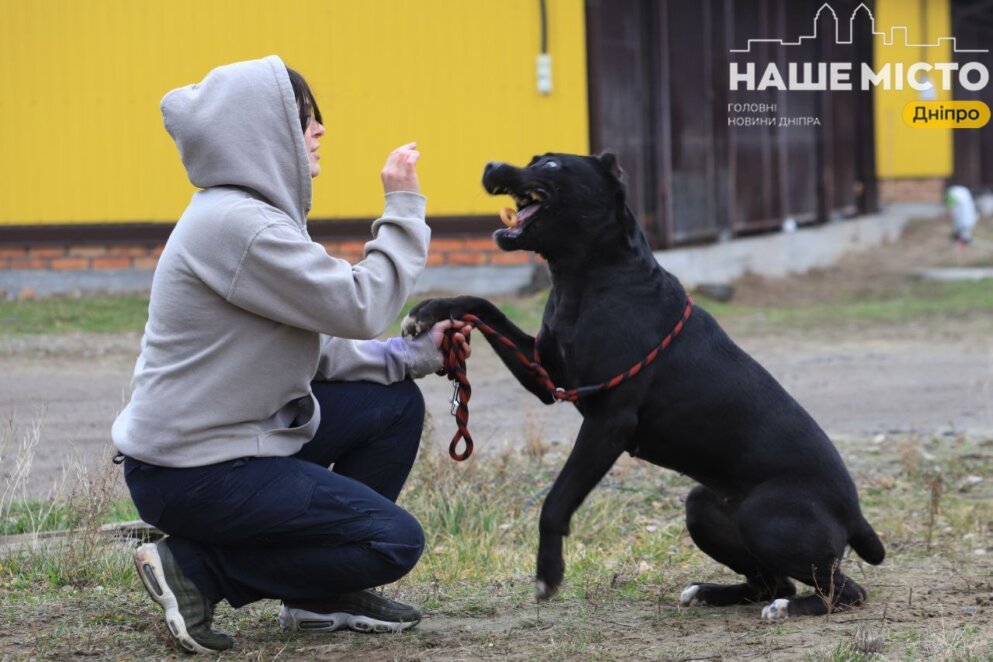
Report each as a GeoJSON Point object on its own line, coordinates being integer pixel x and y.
{"type": "Point", "coordinates": [453, 451]}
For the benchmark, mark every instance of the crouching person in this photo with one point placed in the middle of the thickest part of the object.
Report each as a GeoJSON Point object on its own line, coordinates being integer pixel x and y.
{"type": "Point", "coordinates": [258, 372]}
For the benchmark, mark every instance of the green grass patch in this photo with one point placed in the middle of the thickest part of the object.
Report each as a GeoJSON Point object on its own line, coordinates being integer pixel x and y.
{"type": "Point", "coordinates": [103, 314]}
{"type": "Point", "coordinates": [45, 516]}
{"type": "Point", "coordinates": [116, 314]}
{"type": "Point", "coordinates": [917, 301]}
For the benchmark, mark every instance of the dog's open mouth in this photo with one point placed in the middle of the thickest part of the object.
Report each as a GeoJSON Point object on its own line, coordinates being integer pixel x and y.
{"type": "Point", "coordinates": [528, 205]}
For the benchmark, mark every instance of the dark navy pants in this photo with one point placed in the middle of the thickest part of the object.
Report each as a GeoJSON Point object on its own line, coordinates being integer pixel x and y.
{"type": "Point", "coordinates": [287, 527]}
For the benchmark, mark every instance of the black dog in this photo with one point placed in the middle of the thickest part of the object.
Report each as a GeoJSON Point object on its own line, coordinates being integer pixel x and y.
{"type": "Point", "coordinates": [775, 501]}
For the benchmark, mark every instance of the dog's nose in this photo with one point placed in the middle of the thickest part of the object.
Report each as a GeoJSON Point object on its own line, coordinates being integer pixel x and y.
{"type": "Point", "coordinates": [488, 172]}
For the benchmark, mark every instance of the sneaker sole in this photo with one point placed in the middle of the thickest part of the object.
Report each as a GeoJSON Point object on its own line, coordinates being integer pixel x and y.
{"type": "Point", "coordinates": [148, 563]}
{"type": "Point", "coordinates": [308, 621]}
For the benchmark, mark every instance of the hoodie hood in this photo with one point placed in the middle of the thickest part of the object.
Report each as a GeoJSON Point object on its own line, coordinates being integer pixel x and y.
{"type": "Point", "coordinates": [240, 127]}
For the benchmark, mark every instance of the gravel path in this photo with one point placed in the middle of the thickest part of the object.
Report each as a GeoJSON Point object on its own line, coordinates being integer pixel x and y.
{"type": "Point", "coordinates": [73, 386]}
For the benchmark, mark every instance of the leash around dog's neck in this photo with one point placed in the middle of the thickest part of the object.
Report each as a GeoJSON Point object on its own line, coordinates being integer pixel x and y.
{"type": "Point", "coordinates": [455, 370]}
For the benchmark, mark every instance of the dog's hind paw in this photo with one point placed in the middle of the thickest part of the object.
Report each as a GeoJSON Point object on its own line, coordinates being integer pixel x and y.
{"type": "Point", "coordinates": [688, 597]}
{"type": "Point", "coordinates": [778, 610]}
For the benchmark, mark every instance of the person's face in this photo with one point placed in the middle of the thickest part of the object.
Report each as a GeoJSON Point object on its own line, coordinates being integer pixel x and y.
{"type": "Point", "coordinates": [310, 138]}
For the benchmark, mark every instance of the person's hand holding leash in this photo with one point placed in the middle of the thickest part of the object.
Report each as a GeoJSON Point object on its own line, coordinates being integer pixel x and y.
{"type": "Point", "coordinates": [460, 337]}
{"type": "Point", "coordinates": [400, 171]}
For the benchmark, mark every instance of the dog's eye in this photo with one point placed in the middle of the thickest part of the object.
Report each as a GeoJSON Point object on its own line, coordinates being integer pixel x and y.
{"type": "Point", "coordinates": [550, 164]}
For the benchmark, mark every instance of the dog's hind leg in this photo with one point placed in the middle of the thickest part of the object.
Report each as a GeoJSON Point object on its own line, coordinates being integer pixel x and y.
{"type": "Point", "coordinates": [801, 540]}
{"type": "Point", "coordinates": [833, 590]}
{"type": "Point", "coordinates": [712, 525]}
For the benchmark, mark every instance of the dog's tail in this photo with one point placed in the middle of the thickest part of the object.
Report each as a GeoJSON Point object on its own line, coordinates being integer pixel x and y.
{"type": "Point", "coordinates": [867, 544]}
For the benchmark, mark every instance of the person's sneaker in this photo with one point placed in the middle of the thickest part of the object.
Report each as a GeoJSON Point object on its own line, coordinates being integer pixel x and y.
{"type": "Point", "coordinates": [188, 613]}
{"type": "Point", "coordinates": [362, 611]}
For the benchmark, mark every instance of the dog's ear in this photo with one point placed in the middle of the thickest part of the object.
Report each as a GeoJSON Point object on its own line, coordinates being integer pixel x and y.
{"type": "Point", "coordinates": [609, 162]}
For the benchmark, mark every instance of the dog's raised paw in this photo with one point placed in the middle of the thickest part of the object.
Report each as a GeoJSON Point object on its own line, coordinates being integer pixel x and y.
{"type": "Point", "coordinates": [410, 327]}
{"type": "Point", "coordinates": [778, 610]}
{"type": "Point", "coordinates": [688, 597]}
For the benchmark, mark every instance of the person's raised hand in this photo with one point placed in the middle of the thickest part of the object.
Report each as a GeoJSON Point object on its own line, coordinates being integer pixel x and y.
{"type": "Point", "coordinates": [400, 171]}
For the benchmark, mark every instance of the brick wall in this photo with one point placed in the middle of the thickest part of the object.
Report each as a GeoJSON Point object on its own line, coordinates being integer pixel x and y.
{"type": "Point", "coordinates": [79, 258]}
{"type": "Point", "coordinates": [444, 251]}
{"type": "Point", "coordinates": [930, 189]}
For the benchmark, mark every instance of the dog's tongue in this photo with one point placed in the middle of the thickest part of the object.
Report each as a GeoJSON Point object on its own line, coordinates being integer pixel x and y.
{"type": "Point", "coordinates": [527, 212]}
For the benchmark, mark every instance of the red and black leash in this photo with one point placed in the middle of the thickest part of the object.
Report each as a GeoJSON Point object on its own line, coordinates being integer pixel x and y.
{"type": "Point", "coordinates": [455, 370]}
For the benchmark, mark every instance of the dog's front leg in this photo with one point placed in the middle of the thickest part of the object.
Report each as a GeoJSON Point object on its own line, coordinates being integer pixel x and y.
{"type": "Point", "coordinates": [600, 442]}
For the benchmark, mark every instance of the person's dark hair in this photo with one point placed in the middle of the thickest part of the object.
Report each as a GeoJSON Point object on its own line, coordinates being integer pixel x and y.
{"type": "Point", "coordinates": [306, 102]}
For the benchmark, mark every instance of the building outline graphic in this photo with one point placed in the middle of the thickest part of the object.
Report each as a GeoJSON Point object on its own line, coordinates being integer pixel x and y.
{"type": "Point", "coordinates": [888, 39]}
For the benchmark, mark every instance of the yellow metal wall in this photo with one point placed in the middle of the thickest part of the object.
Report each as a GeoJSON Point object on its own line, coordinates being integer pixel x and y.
{"type": "Point", "coordinates": [81, 136]}
{"type": "Point", "coordinates": [902, 151]}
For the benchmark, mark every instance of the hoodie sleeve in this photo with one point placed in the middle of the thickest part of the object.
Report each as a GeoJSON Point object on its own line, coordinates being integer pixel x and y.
{"type": "Point", "coordinates": [286, 277]}
{"type": "Point", "coordinates": [382, 362]}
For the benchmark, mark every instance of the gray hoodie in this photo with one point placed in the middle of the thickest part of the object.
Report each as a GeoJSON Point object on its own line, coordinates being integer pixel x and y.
{"type": "Point", "coordinates": [246, 310]}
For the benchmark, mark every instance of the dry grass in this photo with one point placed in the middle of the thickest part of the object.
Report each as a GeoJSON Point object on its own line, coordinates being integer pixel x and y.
{"type": "Point", "coordinates": [34, 554]}
{"type": "Point", "coordinates": [628, 559]}
{"type": "Point", "coordinates": [17, 453]}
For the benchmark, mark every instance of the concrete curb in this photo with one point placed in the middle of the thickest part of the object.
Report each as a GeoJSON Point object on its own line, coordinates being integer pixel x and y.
{"type": "Point", "coordinates": [31, 283]}
{"type": "Point", "coordinates": [955, 274]}
{"type": "Point", "coordinates": [784, 253]}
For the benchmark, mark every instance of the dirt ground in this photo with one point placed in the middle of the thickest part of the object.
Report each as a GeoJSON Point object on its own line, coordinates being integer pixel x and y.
{"type": "Point", "coordinates": [930, 378]}
{"type": "Point", "coordinates": [890, 395]}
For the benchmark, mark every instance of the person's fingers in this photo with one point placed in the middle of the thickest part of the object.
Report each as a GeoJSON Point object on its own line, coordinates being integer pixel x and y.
{"type": "Point", "coordinates": [401, 152]}
{"type": "Point", "coordinates": [463, 343]}
{"type": "Point", "coordinates": [461, 336]}
{"type": "Point", "coordinates": [437, 332]}
{"type": "Point", "coordinates": [400, 171]}
{"type": "Point", "coordinates": [402, 155]}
